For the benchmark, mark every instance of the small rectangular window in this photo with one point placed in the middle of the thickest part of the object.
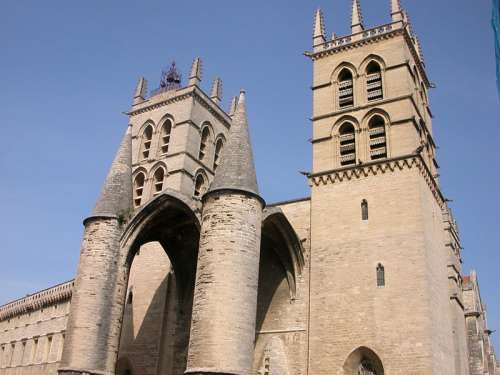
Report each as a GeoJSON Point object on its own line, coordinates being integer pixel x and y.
{"type": "Point", "coordinates": [380, 275]}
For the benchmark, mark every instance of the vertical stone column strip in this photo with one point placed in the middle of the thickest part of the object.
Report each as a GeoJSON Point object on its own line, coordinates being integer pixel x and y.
{"type": "Point", "coordinates": [225, 298]}
{"type": "Point", "coordinates": [94, 322]}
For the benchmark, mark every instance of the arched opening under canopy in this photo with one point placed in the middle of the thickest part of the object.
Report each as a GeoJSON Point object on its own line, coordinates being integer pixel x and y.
{"type": "Point", "coordinates": [363, 361]}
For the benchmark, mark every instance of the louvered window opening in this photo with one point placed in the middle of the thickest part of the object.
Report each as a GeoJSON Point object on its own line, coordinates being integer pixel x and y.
{"type": "Point", "coordinates": [378, 140]}
{"type": "Point", "coordinates": [203, 144]}
{"type": "Point", "coordinates": [138, 189]}
{"type": "Point", "coordinates": [218, 150]}
{"type": "Point", "coordinates": [374, 86]}
{"type": "Point", "coordinates": [199, 187]}
{"type": "Point", "coordinates": [146, 146]}
{"type": "Point", "coordinates": [159, 176]}
{"type": "Point", "coordinates": [347, 145]}
{"type": "Point", "coordinates": [165, 137]}
{"type": "Point", "coordinates": [346, 93]}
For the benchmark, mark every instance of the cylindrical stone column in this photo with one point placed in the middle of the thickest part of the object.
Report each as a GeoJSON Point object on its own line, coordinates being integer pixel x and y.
{"type": "Point", "coordinates": [225, 297]}
{"type": "Point", "coordinates": [94, 322]}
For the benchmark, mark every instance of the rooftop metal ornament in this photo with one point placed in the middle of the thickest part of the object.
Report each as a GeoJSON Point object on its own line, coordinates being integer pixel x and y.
{"type": "Point", "coordinates": [170, 80]}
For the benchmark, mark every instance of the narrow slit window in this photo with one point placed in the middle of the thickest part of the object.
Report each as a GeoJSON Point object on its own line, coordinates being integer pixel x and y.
{"type": "Point", "coordinates": [130, 298]}
{"type": "Point", "coordinates": [218, 150]}
{"type": "Point", "coordinates": [347, 144]}
{"type": "Point", "coordinates": [34, 351]}
{"type": "Point", "coordinates": [166, 130]}
{"type": "Point", "coordinates": [199, 186]}
{"type": "Point", "coordinates": [380, 275]}
{"type": "Point", "coordinates": [364, 209]}
{"type": "Point", "coordinates": [48, 348]}
{"type": "Point", "coordinates": [346, 89]}
{"type": "Point", "coordinates": [374, 82]}
{"type": "Point", "coordinates": [378, 138]}
{"type": "Point", "coordinates": [205, 134]}
{"type": "Point", "coordinates": [158, 178]}
{"type": "Point", "coordinates": [147, 136]}
{"type": "Point", "coordinates": [138, 189]}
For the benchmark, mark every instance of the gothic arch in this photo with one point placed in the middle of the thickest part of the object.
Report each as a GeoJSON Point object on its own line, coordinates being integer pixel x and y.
{"type": "Point", "coordinates": [365, 124]}
{"type": "Point", "coordinates": [152, 176]}
{"type": "Point", "coordinates": [363, 357]}
{"type": "Point", "coordinates": [354, 121]}
{"type": "Point", "coordinates": [368, 59]}
{"type": "Point", "coordinates": [335, 73]}
{"type": "Point", "coordinates": [201, 189]}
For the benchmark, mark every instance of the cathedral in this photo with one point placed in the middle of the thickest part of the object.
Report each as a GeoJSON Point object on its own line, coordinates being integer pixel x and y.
{"type": "Point", "coordinates": [185, 269]}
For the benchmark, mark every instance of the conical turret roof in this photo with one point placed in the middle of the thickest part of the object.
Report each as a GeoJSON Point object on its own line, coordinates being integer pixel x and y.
{"type": "Point", "coordinates": [237, 169]}
{"type": "Point", "coordinates": [116, 194]}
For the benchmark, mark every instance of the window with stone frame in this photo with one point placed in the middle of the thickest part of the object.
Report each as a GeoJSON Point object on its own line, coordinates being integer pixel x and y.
{"type": "Point", "coordinates": [346, 88]}
{"type": "Point", "coordinates": [34, 350]}
{"type": "Point", "coordinates": [347, 144]}
{"type": "Point", "coordinates": [364, 209]}
{"type": "Point", "coordinates": [199, 185]}
{"type": "Point", "coordinates": [147, 136]}
{"type": "Point", "coordinates": [218, 151]}
{"type": "Point", "coordinates": [205, 137]}
{"type": "Point", "coordinates": [139, 182]}
{"type": "Point", "coordinates": [380, 275]}
{"type": "Point", "coordinates": [378, 139]}
{"type": "Point", "coordinates": [166, 130]}
{"type": "Point", "coordinates": [158, 180]}
{"type": "Point", "coordinates": [374, 85]}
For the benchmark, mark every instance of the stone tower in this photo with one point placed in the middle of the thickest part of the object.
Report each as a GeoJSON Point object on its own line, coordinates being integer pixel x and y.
{"type": "Point", "coordinates": [384, 263]}
{"type": "Point", "coordinates": [225, 298]}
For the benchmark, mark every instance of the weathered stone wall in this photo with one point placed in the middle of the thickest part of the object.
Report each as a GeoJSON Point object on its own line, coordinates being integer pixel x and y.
{"type": "Point", "coordinates": [32, 332]}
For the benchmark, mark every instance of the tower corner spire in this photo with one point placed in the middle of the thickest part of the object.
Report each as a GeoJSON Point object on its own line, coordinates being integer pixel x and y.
{"type": "Point", "coordinates": [216, 92]}
{"type": "Point", "coordinates": [357, 18]}
{"type": "Point", "coordinates": [140, 91]}
{"type": "Point", "coordinates": [195, 76]}
{"type": "Point", "coordinates": [319, 28]}
{"type": "Point", "coordinates": [396, 10]}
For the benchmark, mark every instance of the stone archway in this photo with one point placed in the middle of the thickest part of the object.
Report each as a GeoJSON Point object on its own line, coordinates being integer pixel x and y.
{"type": "Point", "coordinates": [169, 224]}
{"type": "Point", "coordinates": [363, 361]}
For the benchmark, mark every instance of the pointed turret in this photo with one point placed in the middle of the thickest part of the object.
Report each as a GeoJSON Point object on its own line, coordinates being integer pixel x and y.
{"type": "Point", "coordinates": [319, 29]}
{"type": "Point", "coordinates": [357, 18]}
{"type": "Point", "coordinates": [216, 93]}
{"type": "Point", "coordinates": [140, 91]}
{"type": "Point", "coordinates": [116, 194]}
{"type": "Point", "coordinates": [195, 76]}
{"type": "Point", "coordinates": [396, 10]}
{"type": "Point", "coordinates": [237, 170]}
{"type": "Point", "coordinates": [232, 107]}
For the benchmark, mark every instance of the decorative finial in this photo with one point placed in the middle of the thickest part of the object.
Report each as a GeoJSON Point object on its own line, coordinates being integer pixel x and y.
{"type": "Point", "coordinates": [232, 107]}
{"type": "Point", "coordinates": [319, 29]}
{"type": "Point", "coordinates": [396, 10]}
{"type": "Point", "coordinates": [216, 93]}
{"type": "Point", "coordinates": [140, 91]}
{"type": "Point", "coordinates": [357, 18]}
{"type": "Point", "coordinates": [195, 76]}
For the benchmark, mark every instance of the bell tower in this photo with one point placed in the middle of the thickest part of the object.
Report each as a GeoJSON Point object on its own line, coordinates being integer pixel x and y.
{"type": "Point", "coordinates": [380, 265]}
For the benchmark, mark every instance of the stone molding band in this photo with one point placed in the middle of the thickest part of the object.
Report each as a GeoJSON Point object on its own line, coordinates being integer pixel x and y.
{"type": "Point", "coordinates": [211, 371]}
{"type": "Point", "coordinates": [76, 371]}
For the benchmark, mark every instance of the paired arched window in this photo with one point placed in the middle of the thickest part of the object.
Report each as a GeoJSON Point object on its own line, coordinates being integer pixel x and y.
{"type": "Point", "coordinates": [205, 137]}
{"type": "Point", "coordinates": [147, 136]}
{"type": "Point", "coordinates": [378, 139]}
{"type": "Point", "coordinates": [158, 178]}
{"type": "Point", "coordinates": [380, 275]}
{"type": "Point", "coordinates": [166, 129]}
{"type": "Point", "coordinates": [218, 151]}
{"type": "Point", "coordinates": [139, 182]}
{"type": "Point", "coordinates": [200, 185]}
{"type": "Point", "coordinates": [347, 142]}
{"type": "Point", "coordinates": [374, 81]}
{"type": "Point", "coordinates": [346, 88]}
{"type": "Point", "coordinates": [364, 209]}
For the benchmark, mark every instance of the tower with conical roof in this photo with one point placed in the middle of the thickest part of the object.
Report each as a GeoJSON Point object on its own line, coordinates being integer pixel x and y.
{"type": "Point", "coordinates": [225, 297]}
{"type": "Point", "coordinates": [94, 323]}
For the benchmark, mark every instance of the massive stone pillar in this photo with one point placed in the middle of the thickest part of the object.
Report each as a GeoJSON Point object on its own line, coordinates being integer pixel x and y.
{"type": "Point", "coordinates": [94, 323]}
{"type": "Point", "coordinates": [225, 298]}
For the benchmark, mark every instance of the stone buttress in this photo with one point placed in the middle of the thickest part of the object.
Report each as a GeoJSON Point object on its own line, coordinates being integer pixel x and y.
{"type": "Point", "coordinates": [225, 298]}
{"type": "Point", "coordinates": [94, 322]}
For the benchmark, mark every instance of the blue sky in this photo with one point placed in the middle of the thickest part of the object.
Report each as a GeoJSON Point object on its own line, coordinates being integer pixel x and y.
{"type": "Point", "coordinates": [68, 71]}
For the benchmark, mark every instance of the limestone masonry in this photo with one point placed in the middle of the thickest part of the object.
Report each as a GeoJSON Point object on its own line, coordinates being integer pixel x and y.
{"type": "Point", "coordinates": [184, 268]}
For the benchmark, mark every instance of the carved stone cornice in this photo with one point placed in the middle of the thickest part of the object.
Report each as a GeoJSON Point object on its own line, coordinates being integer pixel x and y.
{"type": "Point", "coordinates": [392, 165]}
{"type": "Point", "coordinates": [39, 300]}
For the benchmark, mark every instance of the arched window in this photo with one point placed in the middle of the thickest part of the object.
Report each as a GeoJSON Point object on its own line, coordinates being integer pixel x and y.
{"type": "Point", "coordinates": [199, 185]}
{"type": "Point", "coordinates": [147, 135]}
{"type": "Point", "coordinates": [166, 129]}
{"type": "Point", "coordinates": [347, 144]}
{"type": "Point", "coordinates": [364, 209]}
{"type": "Point", "coordinates": [158, 178]}
{"type": "Point", "coordinates": [378, 140]}
{"type": "Point", "coordinates": [218, 150]}
{"type": "Point", "coordinates": [205, 135]}
{"type": "Point", "coordinates": [346, 88]}
{"type": "Point", "coordinates": [374, 81]}
{"type": "Point", "coordinates": [139, 181]}
{"type": "Point", "coordinates": [380, 275]}
{"type": "Point", "coordinates": [130, 298]}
